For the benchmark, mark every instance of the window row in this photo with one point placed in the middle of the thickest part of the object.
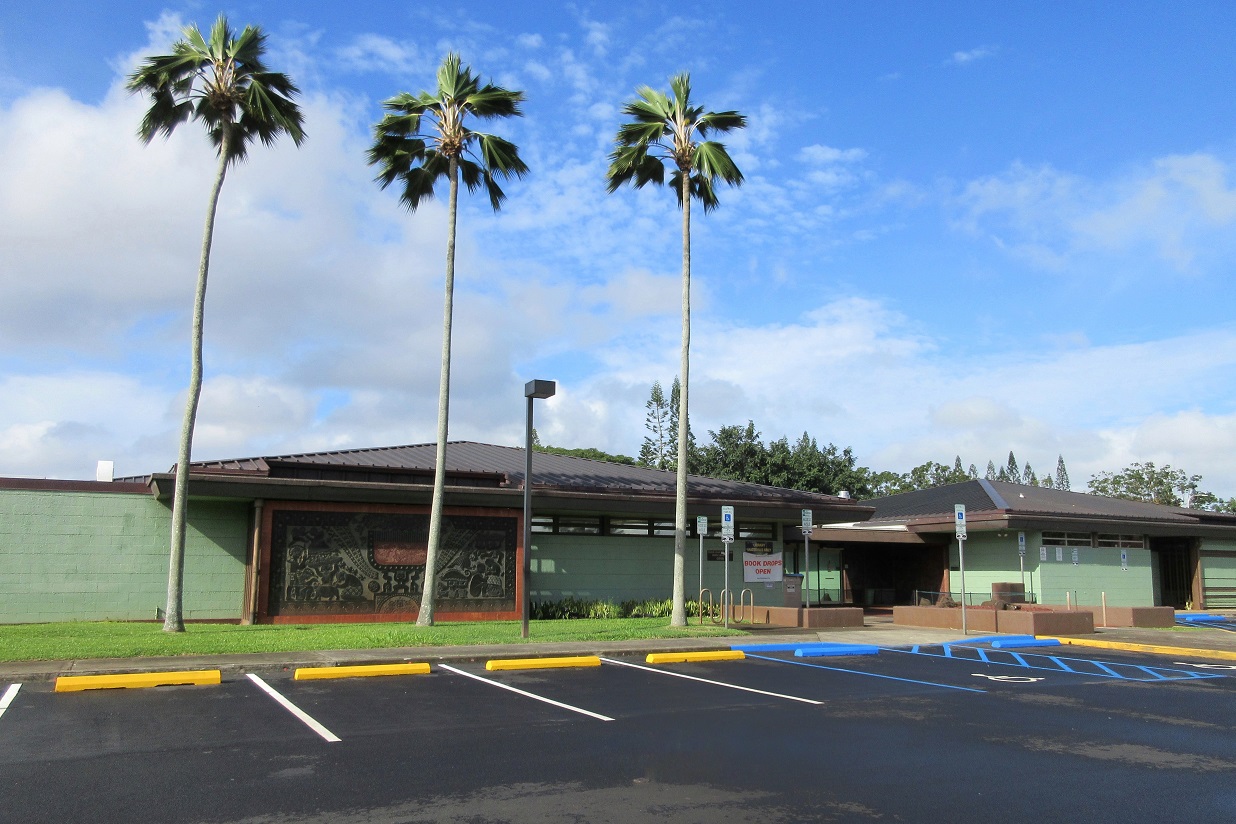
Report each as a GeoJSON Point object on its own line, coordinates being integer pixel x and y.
{"type": "Point", "coordinates": [644, 527]}
{"type": "Point", "coordinates": [1091, 539]}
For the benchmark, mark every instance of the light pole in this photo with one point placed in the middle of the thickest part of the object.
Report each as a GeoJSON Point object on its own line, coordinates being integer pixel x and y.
{"type": "Point", "coordinates": [532, 390]}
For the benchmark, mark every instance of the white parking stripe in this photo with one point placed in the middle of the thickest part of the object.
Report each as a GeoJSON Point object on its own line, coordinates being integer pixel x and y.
{"type": "Point", "coordinates": [493, 683]}
{"type": "Point", "coordinates": [9, 695]}
{"type": "Point", "coordinates": [308, 720]}
{"type": "Point", "coordinates": [707, 681]}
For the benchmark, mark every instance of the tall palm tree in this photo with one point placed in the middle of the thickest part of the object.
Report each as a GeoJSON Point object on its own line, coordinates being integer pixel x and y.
{"type": "Point", "coordinates": [223, 84]}
{"type": "Point", "coordinates": [422, 139]}
{"type": "Point", "coordinates": [668, 129]}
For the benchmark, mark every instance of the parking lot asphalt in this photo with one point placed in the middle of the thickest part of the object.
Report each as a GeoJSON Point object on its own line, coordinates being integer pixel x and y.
{"type": "Point", "coordinates": [924, 730]}
{"type": "Point", "coordinates": [876, 632]}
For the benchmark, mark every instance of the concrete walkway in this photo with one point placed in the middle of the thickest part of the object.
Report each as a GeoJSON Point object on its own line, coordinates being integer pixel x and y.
{"type": "Point", "coordinates": [877, 632]}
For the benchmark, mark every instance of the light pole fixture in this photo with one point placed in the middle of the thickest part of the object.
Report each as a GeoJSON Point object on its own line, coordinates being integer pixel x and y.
{"type": "Point", "coordinates": [532, 390]}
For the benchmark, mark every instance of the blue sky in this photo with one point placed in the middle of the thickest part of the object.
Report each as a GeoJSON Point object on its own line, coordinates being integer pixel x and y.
{"type": "Point", "coordinates": [966, 228]}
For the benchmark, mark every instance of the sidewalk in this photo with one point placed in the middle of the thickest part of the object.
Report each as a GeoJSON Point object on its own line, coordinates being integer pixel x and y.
{"type": "Point", "coordinates": [876, 632]}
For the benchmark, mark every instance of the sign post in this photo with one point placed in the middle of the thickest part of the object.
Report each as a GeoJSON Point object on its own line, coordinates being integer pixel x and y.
{"type": "Point", "coordinates": [727, 538]}
{"type": "Point", "coordinates": [806, 528]}
{"type": "Point", "coordinates": [959, 512]}
{"type": "Point", "coordinates": [701, 526]}
{"type": "Point", "coordinates": [1021, 558]}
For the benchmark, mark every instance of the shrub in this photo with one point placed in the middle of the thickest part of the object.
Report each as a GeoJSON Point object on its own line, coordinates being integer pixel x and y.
{"type": "Point", "coordinates": [570, 608]}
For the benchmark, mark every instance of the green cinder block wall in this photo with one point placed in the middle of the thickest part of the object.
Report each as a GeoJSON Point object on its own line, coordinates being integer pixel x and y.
{"type": "Point", "coordinates": [992, 559]}
{"type": "Point", "coordinates": [88, 556]}
{"type": "Point", "coordinates": [625, 568]}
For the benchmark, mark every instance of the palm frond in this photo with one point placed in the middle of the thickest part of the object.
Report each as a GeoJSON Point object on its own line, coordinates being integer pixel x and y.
{"type": "Point", "coordinates": [495, 101]}
{"type": "Point", "coordinates": [641, 132]}
{"type": "Point", "coordinates": [720, 122]}
{"type": "Point", "coordinates": [714, 162]}
{"type": "Point", "coordinates": [404, 148]}
{"type": "Point", "coordinates": [222, 83]}
{"type": "Point", "coordinates": [667, 125]}
{"type": "Point", "coordinates": [419, 181]}
{"type": "Point", "coordinates": [633, 164]}
{"type": "Point", "coordinates": [499, 156]}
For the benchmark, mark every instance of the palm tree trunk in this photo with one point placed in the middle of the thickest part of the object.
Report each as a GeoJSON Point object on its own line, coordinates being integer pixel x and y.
{"type": "Point", "coordinates": [172, 618]}
{"type": "Point", "coordinates": [678, 617]}
{"type": "Point", "coordinates": [429, 590]}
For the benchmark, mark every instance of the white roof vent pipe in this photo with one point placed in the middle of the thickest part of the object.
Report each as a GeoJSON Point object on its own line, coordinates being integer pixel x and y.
{"type": "Point", "coordinates": [845, 493]}
{"type": "Point", "coordinates": [105, 471]}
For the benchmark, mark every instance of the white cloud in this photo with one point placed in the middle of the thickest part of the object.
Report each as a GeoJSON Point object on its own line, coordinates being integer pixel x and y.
{"type": "Point", "coordinates": [962, 58]}
{"type": "Point", "coordinates": [375, 52]}
{"type": "Point", "coordinates": [823, 155]}
{"type": "Point", "coordinates": [1180, 209]}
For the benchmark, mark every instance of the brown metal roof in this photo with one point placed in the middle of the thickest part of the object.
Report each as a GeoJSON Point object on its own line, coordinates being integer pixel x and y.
{"type": "Point", "coordinates": [1024, 501]}
{"type": "Point", "coordinates": [481, 461]}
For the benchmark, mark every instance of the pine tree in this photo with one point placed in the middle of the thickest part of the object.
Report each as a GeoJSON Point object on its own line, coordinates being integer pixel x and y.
{"type": "Point", "coordinates": [1028, 477]}
{"type": "Point", "coordinates": [1011, 471]}
{"type": "Point", "coordinates": [973, 473]}
{"type": "Point", "coordinates": [655, 451]}
{"type": "Point", "coordinates": [1062, 475]}
{"type": "Point", "coordinates": [991, 470]}
{"type": "Point", "coordinates": [1046, 482]}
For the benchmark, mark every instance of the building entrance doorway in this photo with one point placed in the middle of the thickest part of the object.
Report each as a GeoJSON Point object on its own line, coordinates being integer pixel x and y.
{"type": "Point", "coordinates": [882, 575]}
{"type": "Point", "coordinates": [1173, 568]}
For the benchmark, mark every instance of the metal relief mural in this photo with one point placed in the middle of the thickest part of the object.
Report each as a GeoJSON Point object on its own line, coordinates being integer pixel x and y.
{"type": "Point", "coordinates": [354, 563]}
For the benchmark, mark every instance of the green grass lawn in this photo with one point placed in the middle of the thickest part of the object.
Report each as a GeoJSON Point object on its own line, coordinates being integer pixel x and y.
{"type": "Point", "coordinates": [106, 639]}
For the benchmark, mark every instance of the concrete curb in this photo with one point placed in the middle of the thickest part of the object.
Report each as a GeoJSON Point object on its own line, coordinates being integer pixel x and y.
{"type": "Point", "coordinates": [1179, 652]}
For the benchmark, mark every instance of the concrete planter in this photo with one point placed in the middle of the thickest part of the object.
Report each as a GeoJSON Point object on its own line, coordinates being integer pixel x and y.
{"type": "Point", "coordinates": [1017, 622]}
{"type": "Point", "coordinates": [816, 618]}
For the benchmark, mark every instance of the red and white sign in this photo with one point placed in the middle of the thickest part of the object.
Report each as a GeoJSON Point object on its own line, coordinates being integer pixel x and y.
{"type": "Point", "coordinates": [760, 563]}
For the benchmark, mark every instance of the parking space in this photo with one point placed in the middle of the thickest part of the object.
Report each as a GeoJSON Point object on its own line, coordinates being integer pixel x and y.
{"type": "Point", "coordinates": [464, 695]}
{"type": "Point", "coordinates": [789, 723]}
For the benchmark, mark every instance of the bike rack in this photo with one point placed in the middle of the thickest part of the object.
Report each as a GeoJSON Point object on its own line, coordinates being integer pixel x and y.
{"type": "Point", "coordinates": [743, 604]}
{"type": "Point", "coordinates": [711, 607]}
{"type": "Point", "coordinates": [726, 607]}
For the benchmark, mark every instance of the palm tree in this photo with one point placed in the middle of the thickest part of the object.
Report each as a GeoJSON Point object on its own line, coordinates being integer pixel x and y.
{"type": "Point", "coordinates": [665, 128]}
{"type": "Point", "coordinates": [224, 85]}
{"type": "Point", "coordinates": [422, 139]}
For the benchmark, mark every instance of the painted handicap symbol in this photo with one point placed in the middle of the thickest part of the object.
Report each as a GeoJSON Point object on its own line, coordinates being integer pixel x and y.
{"type": "Point", "coordinates": [1208, 666]}
{"type": "Point", "coordinates": [1009, 679]}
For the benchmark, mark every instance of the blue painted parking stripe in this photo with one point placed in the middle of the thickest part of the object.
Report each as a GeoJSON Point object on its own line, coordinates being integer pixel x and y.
{"type": "Point", "coordinates": [869, 674]}
{"type": "Point", "coordinates": [1100, 668]}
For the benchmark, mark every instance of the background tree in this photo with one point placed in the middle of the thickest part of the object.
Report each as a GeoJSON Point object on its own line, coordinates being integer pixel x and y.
{"type": "Point", "coordinates": [223, 84]}
{"type": "Point", "coordinates": [1010, 471]}
{"type": "Point", "coordinates": [1028, 477]}
{"type": "Point", "coordinates": [1156, 485]}
{"type": "Point", "coordinates": [421, 140]}
{"type": "Point", "coordinates": [1062, 474]}
{"type": "Point", "coordinates": [991, 471]}
{"type": "Point", "coordinates": [588, 452]}
{"type": "Point", "coordinates": [736, 453]}
{"type": "Point", "coordinates": [669, 129]}
{"type": "Point", "coordinates": [655, 451]}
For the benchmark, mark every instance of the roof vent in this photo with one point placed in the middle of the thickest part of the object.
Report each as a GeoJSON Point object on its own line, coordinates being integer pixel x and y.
{"type": "Point", "coordinates": [845, 493]}
{"type": "Point", "coordinates": [105, 472]}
